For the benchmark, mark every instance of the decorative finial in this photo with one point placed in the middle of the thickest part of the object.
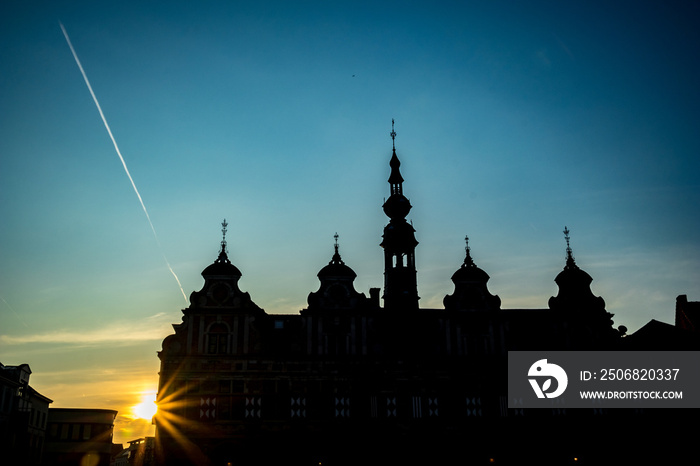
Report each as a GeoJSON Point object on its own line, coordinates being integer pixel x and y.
{"type": "Point", "coordinates": [393, 135]}
{"type": "Point", "coordinates": [569, 253]}
{"type": "Point", "coordinates": [336, 257]}
{"type": "Point", "coordinates": [468, 261]}
{"type": "Point", "coordinates": [224, 224]}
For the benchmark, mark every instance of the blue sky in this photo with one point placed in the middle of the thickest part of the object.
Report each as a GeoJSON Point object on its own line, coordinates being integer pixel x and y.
{"type": "Point", "coordinates": [513, 121]}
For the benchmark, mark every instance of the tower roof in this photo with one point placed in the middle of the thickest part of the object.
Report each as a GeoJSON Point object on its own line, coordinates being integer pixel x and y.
{"type": "Point", "coordinates": [222, 266]}
{"type": "Point", "coordinates": [336, 290]}
{"type": "Point", "coordinates": [336, 268]}
{"type": "Point", "coordinates": [572, 274]}
{"type": "Point", "coordinates": [469, 272]}
{"type": "Point", "coordinates": [397, 206]}
{"type": "Point", "coordinates": [574, 285]}
{"type": "Point", "coordinates": [395, 176]}
{"type": "Point", "coordinates": [471, 290]}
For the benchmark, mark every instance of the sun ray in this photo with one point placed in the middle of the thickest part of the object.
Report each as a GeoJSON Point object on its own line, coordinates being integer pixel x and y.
{"type": "Point", "coordinates": [170, 401]}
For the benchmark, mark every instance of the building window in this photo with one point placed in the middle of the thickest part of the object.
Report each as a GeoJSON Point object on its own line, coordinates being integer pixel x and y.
{"type": "Point", "coordinates": [224, 386]}
{"type": "Point", "coordinates": [237, 386]}
{"type": "Point", "coordinates": [217, 339]}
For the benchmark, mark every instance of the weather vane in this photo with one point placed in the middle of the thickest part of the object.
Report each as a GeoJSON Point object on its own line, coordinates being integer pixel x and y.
{"type": "Point", "coordinates": [393, 135]}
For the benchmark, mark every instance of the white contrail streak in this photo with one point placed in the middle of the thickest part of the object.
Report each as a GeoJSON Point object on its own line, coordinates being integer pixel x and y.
{"type": "Point", "coordinates": [116, 147]}
{"type": "Point", "coordinates": [13, 310]}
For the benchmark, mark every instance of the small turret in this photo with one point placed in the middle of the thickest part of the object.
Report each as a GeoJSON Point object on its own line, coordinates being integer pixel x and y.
{"type": "Point", "coordinates": [471, 289]}
{"type": "Point", "coordinates": [221, 283]}
{"type": "Point", "coordinates": [575, 293]}
{"type": "Point", "coordinates": [589, 323]}
{"type": "Point", "coordinates": [336, 290]}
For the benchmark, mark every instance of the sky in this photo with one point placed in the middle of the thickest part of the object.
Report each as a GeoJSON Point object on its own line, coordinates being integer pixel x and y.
{"type": "Point", "coordinates": [513, 120]}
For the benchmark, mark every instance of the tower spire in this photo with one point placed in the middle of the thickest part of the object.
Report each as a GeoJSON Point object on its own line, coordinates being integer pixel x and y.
{"type": "Point", "coordinates": [468, 261]}
{"type": "Point", "coordinates": [570, 262]}
{"type": "Point", "coordinates": [336, 257]}
{"type": "Point", "coordinates": [395, 178]}
{"type": "Point", "coordinates": [223, 252]}
{"type": "Point", "coordinates": [224, 224]}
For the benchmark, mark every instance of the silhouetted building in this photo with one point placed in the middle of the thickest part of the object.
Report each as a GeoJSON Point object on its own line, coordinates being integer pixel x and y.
{"type": "Point", "coordinates": [140, 452]}
{"type": "Point", "coordinates": [688, 314]}
{"type": "Point", "coordinates": [347, 381]}
{"type": "Point", "coordinates": [23, 417]}
{"type": "Point", "coordinates": [79, 436]}
{"type": "Point", "coordinates": [660, 336]}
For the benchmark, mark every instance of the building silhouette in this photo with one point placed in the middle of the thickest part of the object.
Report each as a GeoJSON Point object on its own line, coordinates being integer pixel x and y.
{"type": "Point", "coordinates": [348, 381]}
{"type": "Point", "coordinates": [23, 417]}
{"type": "Point", "coordinates": [79, 436]}
{"type": "Point", "coordinates": [140, 452]}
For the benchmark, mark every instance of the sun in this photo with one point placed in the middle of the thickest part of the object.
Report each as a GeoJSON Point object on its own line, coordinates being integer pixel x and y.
{"type": "Point", "coordinates": [147, 408]}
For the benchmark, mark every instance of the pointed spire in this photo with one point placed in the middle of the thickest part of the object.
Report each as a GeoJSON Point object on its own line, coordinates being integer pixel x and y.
{"type": "Point", "coordinates": [570, 262]}
{"type": "Point", "coordinates": [222, 266]}
{"type": "Point", "coordinates": [224, 224]}
{"type": "Point", "coordinates": [223, 252]}
{"type": "Point", "coordinates": [468, 261]}
{"type": "Point", "coordinates": [336, 257]}
{"type": "Point", "coordinates": [395, 178]}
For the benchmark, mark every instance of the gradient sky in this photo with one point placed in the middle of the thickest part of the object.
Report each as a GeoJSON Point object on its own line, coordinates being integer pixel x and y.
{"type": "Point", "coordinates": [514, 119]}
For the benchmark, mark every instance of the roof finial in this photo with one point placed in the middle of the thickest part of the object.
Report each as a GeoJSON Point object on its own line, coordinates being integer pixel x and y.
{"type": "Point", "coordinates": [468, 261]}
{"type": "Point", "coordinates": [393, 136]}
{"type": "Point", "coordinates": [569, 253]}
{"type": "Point", "coordinates": [336, 257]}
{"type": "Point", "coordinates": [224, 224]}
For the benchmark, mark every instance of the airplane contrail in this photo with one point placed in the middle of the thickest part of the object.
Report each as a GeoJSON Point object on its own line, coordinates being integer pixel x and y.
{"type": "Point", "coordinates": [116, 147]}
{"type": "Point", "coordinates": [15, 312]}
